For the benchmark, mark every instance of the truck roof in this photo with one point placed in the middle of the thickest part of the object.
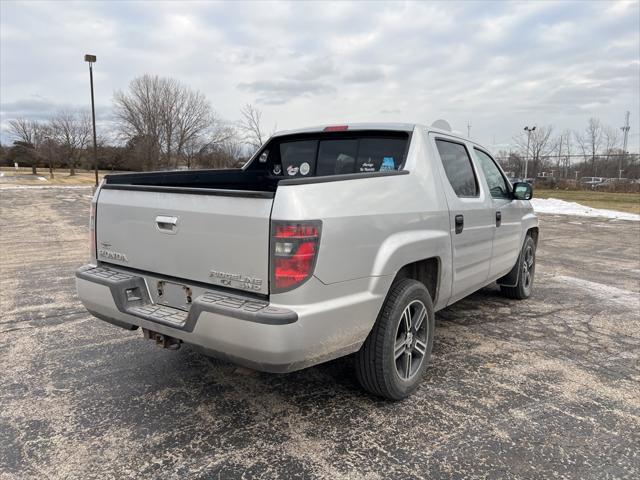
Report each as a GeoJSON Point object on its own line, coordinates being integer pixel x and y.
{"type": "Point", "coordinates": [396, 126]}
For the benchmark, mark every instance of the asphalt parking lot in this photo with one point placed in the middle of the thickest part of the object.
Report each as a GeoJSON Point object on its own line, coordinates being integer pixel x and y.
{"type": "Point", "coordinates": [541, 388]}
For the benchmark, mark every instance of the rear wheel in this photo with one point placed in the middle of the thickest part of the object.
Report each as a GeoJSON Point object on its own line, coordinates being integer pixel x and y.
{"type": "Point", "coordinates": [527, 270]}
{"type": "Point", "coordinates": [395, 355]}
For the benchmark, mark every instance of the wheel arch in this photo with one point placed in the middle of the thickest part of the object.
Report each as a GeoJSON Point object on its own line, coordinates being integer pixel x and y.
{"type": "Point", "coordinates": [426, 271]}
{"type": "Point", "coordinates": [511, 278]}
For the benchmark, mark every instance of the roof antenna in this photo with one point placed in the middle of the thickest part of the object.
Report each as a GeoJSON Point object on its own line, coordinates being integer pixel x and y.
{"type": "Point", "coordinates": [441, 124]}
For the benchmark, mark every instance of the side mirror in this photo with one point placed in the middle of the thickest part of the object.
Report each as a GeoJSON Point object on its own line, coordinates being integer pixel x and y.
{"type": "Point", "coordinates": [522, 191]}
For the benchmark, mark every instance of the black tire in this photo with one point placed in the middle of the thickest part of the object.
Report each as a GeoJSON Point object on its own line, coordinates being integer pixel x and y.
{"type": "Point", "coordinates": [380, 368]}
{"type": "Point", "coordinates": [526, 272]}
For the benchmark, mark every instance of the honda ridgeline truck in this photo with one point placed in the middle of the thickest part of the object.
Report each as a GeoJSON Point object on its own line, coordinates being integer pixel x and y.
{"type": "Point", "coordinates": [329, 241]}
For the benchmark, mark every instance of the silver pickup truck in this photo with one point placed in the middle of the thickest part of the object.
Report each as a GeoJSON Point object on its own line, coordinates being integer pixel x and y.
{"type": "Point", "coordinates": [330, 241]}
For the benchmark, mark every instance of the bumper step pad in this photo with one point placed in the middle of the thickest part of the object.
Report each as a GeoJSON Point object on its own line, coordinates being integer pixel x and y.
{"type": "Point", "coordinates": [222, 303]}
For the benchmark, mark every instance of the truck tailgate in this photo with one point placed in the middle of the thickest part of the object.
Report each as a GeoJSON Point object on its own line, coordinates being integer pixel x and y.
{"type": "Point", "coordinates": [212, 238]}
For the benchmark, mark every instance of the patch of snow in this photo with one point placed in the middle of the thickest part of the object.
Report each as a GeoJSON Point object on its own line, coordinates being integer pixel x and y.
{"type": "Point", "coordinates": [1, 174]}
{"type": "Point", "coordinates": [42, 179]}
{"type": "Point", "coordinates": [560, 207]}
{"type": "Point", "coordinates": [605, 293]}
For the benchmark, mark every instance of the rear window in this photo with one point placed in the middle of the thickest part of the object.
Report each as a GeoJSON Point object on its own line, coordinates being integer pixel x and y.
{"type": "Point", "coordinates": [297, 155]}
{"type": "Point", "coordinates": [335, 154]}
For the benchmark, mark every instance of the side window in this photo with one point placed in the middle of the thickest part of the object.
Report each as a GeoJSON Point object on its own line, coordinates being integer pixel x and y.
{"type": "Point", "coordinates": [458, 168]}
{"type": "Point", "coordinates": [498, 186]}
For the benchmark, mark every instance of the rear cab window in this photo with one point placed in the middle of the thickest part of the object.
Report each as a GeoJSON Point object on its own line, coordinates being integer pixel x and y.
{"type": "Point", "coordinates": [333, 153]}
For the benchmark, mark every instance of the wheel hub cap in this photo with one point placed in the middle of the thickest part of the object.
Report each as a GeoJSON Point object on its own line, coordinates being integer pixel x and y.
{"type": "Point", "coordinates": [409, 340]}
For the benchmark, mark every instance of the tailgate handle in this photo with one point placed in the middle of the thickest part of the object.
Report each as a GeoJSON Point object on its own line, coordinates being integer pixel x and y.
{"type": "Point", "coordinates": [167, 224]}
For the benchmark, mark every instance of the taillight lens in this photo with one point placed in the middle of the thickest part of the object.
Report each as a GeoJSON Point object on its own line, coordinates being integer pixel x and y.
{"type": "Point", "coordinates": [294, 249]}
{"type": "Point", "coordinates": [92, 232]}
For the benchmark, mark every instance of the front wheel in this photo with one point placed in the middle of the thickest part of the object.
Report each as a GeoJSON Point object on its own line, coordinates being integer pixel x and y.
{"type": "Point", "coordinates": [395, 355]}
{"type": "Point", "coordinates": [527, 270]}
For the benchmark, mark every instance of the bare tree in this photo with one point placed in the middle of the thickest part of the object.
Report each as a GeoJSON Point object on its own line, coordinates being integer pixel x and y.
{"type": "Point", "coordinates": [590, 141]}
{"type": "Point", "coordinates": [23, 130]}
{"type": "Point", "coordinates": [250, 126]}
{"type": "Point", "coordinates": [563, 153]}
{"type": "Point", "coordinates": [566, 160]}
{"type": "Point", "coordinates": [216, 149]}
{"type": "Point", "coordinates": [139, 113]}
{"type": "Point", "coordinates": [72, 131]}
{"type": "Point", "coordinates": [541, 144]}
{"type": "Point", "coordinates": [31, 134]}
{"type": "Point", "coordinates": [612, 150]}
{"type": "Point", "coordinates": [167, 115]}
{"type": "Point", "coordinates": [194, 119]}
{"type": "Point", "coordinates": [48, 145]}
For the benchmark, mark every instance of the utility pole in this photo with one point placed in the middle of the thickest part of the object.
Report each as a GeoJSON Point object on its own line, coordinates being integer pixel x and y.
{"type": "Point", "coordinates": [468, 129]}
{"type": "Point", "coordinates": [625, 130]}
{"type": "Point", "coordinates": [91, 60]}
{"type": "Point", "coordinates": [526, 157]}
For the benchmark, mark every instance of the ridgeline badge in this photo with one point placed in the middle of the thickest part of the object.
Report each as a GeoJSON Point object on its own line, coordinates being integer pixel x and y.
{"type": "Point", "coordinates": [235, 280]}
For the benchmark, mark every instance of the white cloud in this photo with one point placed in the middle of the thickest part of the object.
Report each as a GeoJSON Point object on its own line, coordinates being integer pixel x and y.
{"type": "Point", "coordinates": [496, 64]}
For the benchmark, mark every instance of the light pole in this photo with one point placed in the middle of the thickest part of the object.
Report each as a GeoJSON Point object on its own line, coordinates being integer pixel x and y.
{"type": "Point", "coordinates": [526, 158]}
{"type": "Point", "coordinates": [91, 59]}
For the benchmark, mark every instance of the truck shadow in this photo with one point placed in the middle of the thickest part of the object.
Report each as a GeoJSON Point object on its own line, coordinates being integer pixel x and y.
{"type": "Point", "coordinates": [337, 377]}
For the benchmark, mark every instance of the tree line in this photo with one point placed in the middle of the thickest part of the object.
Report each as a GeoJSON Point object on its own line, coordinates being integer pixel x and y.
{"type": "Point", "coordinates": [160, 123]}
{"type": "Point", "coordinates": [595, 151]}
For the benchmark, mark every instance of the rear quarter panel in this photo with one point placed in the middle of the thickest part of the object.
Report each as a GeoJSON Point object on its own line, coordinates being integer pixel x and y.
{"type": "Point", "coordinates": [372, 227]}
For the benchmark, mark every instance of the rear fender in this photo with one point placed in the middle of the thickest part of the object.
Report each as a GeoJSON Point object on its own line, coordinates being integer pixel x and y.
{"type": "Point", "coordinates": [406, 247]}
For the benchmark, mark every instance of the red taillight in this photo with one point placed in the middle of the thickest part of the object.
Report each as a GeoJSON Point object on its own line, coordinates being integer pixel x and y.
{"type": "Point", "coordinates": [294, 249]}
{"type": "Point", "coordinates": [336, 128]}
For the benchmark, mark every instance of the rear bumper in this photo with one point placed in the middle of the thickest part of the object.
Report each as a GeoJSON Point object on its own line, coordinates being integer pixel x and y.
{"type": "Point", "coordinates": [241, 329]}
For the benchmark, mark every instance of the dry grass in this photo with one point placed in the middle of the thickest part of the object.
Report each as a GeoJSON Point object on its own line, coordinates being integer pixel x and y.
{"type": "Point", "coordinates": [23, 176]}
{"type": "Point", "coordinates": [622, 202]}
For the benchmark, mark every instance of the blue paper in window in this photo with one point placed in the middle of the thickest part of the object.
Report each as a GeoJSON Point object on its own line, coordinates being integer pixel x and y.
{"type": "Point", "coordinates": [388, 163]}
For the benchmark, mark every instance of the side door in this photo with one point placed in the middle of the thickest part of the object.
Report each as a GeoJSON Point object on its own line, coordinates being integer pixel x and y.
{"type": "Point", "coordinates": [470, 217]}
{"type": "Point", "coordinates": [507, 214]}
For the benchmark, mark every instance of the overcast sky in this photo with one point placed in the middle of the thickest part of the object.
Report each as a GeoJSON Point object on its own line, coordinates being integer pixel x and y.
{"type": "Point", "coordinates": [498, 65]}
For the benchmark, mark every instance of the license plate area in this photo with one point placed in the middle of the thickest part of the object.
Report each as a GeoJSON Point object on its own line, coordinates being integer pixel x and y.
{"type": "Point", "coordinates": [173, 295]}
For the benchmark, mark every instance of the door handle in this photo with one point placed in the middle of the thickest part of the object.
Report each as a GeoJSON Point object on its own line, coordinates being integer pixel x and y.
{"type": "Point", "coordinates": [167, 224]}
{"type": "Point", "coordinates": [459, 223]}
{"type": "Point", "coordinates": [498, 218]}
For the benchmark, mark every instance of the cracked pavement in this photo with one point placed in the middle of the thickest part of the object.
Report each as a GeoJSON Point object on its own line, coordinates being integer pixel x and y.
{"type": "Point", "coordinates": [540, 388]}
